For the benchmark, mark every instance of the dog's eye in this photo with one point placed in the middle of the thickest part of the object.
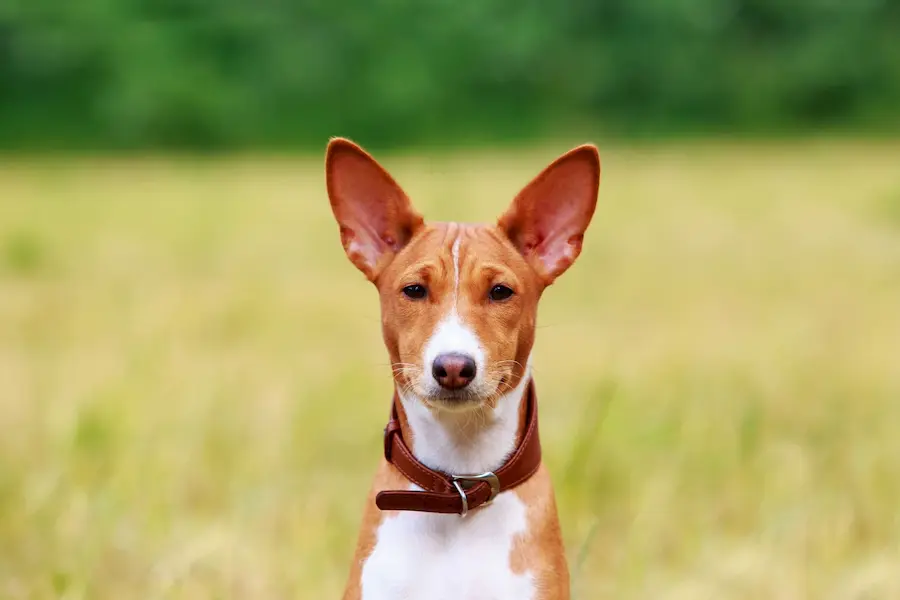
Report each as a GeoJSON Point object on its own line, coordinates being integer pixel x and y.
{"type": "Point", "coordinates": [500, 293]}
{"type": "Point", "coordinates": [415, 291]}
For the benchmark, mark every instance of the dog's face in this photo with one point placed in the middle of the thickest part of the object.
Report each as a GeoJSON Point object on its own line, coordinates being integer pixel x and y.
{"type": "Point", "coordinates": [459, 302]}
{"type": "Point", "coordinates": [458, 306]}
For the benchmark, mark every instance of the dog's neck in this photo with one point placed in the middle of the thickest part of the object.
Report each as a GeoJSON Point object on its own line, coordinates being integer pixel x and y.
{"type": "Point", "coordinates": [470, 442]}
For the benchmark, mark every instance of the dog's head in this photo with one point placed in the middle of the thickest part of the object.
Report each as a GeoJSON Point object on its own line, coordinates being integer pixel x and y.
{"type": "Point", "coordinates": [459, 302]}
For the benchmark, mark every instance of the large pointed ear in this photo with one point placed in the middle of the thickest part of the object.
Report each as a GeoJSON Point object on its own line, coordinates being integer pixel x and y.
{"type": "Point", "coordinates": [375, 216]}
{"type": "Point", "coordinates": [547, 220]}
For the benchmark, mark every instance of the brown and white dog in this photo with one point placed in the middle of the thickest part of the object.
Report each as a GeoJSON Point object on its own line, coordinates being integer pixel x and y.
{"type": "Point", "coordinates": [458, 305]}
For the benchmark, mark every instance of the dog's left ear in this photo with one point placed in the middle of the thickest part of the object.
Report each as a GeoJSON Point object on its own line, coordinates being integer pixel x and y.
{"type": "Point", "coordinates": [375, 216]}
{"type": "Point", "coordinates": [547, 220]}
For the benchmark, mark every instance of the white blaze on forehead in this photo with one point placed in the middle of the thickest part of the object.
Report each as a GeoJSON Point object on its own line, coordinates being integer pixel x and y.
{"type": "Point", "coordinates": [455, 253]}
{"type": "Point", "coordinates": [452, 335]}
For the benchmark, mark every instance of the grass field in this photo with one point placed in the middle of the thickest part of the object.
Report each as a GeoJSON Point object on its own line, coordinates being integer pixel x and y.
{"type": "Point", "coordinates": [719, 373]}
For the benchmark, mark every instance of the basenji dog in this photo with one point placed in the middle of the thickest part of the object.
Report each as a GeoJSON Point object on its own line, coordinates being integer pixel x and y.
{"type": "Point", "coordinates": [462, 507]}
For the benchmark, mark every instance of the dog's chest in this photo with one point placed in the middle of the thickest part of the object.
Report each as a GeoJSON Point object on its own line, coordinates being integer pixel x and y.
{"type": "Point", "coordinates": [445, 557]}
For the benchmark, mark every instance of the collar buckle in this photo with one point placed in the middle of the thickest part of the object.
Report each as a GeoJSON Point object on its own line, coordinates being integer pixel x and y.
{"type": "Point", "coordinates": [488, 477]}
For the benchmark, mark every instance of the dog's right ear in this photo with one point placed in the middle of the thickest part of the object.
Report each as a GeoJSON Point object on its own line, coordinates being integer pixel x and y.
{"type": "Point", "coordinates": [375, 216]}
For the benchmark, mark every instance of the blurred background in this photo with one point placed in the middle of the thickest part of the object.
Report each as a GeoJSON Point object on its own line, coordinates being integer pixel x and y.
{"type": "Point", "coordinates": [158, 74]}
{"type": "Point", "coordinates": [180, 332]}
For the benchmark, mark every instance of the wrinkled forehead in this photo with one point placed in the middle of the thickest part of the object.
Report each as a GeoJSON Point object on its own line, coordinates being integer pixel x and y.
{"type": "Point", "coordinates": [458, 250]}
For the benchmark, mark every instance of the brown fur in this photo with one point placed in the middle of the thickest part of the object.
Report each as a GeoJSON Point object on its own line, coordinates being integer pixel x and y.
{"type": "Point", "coordinates": [386, 478]}
{"type": "Point", "coordinates": [541, 551]}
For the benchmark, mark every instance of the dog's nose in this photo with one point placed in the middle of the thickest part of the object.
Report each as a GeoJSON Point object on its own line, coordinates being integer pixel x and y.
{"type": "Point", "coordinates": [453, 371]}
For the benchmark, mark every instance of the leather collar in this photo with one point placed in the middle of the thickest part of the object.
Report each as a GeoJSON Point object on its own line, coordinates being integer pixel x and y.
{"type": "Point", "coordinates": [457, 493]}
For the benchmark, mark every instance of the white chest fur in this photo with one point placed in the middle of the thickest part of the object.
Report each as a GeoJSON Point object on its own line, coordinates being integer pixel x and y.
{"type": "Point", "coordinates": [421, 556]}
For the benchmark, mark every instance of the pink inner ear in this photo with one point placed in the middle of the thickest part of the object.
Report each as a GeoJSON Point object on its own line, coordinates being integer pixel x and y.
{"type": "Point", "coordinates": [374, 214]}
{"type": "Point", "coordinates": [558, 255]}
{"type": "Point", "coordinates": [548, 218]}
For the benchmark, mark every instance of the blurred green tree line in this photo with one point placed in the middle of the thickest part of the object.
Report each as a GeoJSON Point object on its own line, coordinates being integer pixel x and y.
{"type": "Point", "coordinates": [277, 73]}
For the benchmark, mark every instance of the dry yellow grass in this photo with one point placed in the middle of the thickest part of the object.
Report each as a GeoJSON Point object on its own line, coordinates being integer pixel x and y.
{"type": "Point", "coordinates": [720, 373]}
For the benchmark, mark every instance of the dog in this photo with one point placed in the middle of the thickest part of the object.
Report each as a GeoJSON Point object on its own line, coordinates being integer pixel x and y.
{"type": "Point", "coordinates": [462, 507]}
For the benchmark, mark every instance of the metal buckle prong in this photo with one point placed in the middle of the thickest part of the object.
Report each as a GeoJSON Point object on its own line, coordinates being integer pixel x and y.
{"type": "Point", "coordinates": [489, 477]}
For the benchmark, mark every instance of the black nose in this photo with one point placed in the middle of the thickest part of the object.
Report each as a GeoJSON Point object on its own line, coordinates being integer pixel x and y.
{"type": "Point", "coordinates": [453, 371]}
